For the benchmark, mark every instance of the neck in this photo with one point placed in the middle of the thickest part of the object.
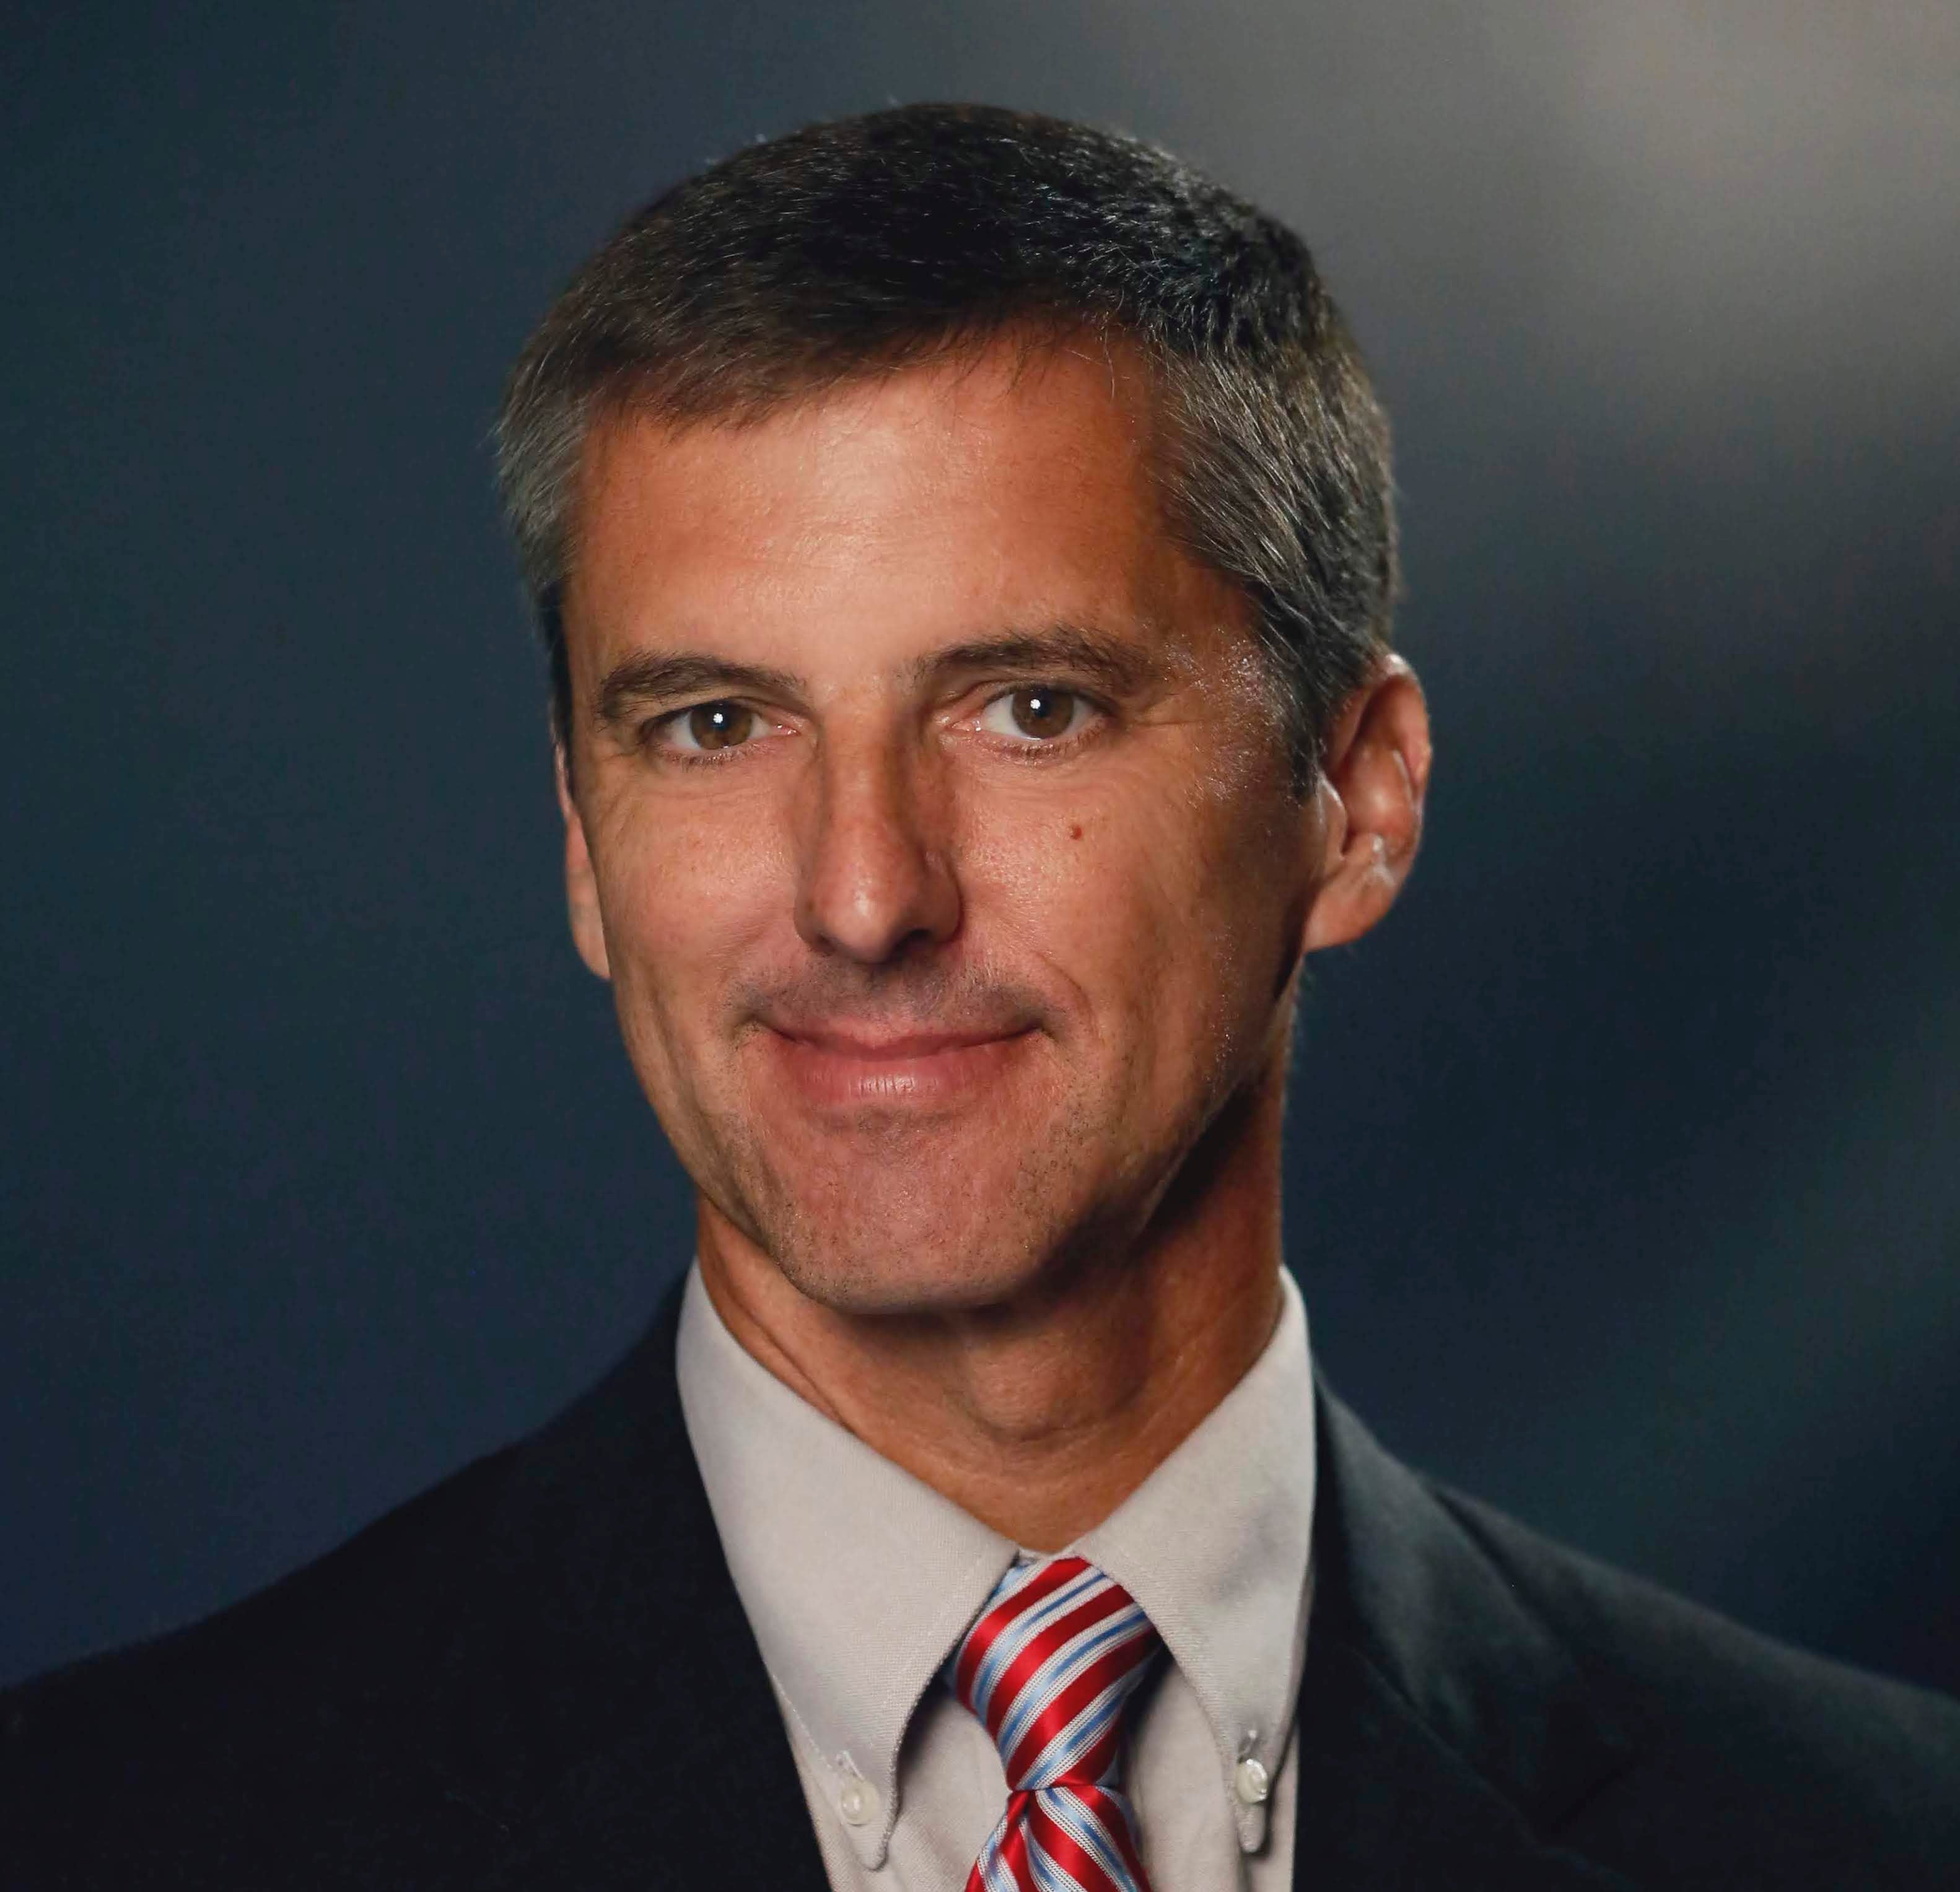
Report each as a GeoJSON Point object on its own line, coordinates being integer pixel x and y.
{"type": "Point", "coordinates": [1040, 1416]}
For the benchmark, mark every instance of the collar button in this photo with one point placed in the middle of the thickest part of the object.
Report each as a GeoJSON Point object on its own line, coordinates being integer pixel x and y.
{"type": "Point", "coordinates": [857, 1802]}
{"type": "Point", "coordinates": [1251, 1782]}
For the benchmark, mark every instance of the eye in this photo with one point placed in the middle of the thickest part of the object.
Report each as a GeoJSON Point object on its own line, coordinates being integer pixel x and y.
{"type": "Point", "coordinates": [707, 727]}
{"type": "Point", "coordinates": [1035, 712]}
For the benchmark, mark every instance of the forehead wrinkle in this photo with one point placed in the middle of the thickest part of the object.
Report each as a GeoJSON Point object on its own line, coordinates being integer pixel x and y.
{"type": "Point", "coordinates": [783, 546]}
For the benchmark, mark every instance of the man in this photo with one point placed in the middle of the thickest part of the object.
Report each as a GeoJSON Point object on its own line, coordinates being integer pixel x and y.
{"type": "Point", "coordinates": [964, 549]}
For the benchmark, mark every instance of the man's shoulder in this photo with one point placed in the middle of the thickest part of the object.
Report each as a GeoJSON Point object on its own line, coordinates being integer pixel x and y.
{"type": "Point", "coordinates": [1688, 1673]}
{"type": "Point", "coordinates": [376, 1592]}
{"type": "Point", "coordinates": [412, 1707]}
{"type": "Point", "coordinates": [1716, 1756]}
{"type": "Point", "coordinates": [319, 1689]}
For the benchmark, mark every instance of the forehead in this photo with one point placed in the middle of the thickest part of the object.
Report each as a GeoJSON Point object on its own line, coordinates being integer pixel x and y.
{"type": "Point", "coordinates": [996, 490]}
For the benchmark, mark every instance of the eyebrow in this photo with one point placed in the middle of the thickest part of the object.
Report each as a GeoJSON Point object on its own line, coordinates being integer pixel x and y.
{"type": "Point", "coordinates": [652, 676]}
{"type": "Point", "coordinates": [1118, 665]}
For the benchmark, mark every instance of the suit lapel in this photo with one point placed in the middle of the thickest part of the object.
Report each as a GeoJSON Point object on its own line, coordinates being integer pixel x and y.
{"type": "Point", "coordinates": [620, 1731]}
{"type": "Point", "coordinates": [1443, 1733]}
{"type": "Point", "coordinates": [1385, 1804]}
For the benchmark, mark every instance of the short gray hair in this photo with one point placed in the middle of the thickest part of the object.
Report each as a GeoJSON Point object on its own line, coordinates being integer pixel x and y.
{"type": "Point", "coordinates": [877, 241]}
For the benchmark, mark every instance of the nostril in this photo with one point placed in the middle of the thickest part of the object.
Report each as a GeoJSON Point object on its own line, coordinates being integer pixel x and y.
{"type": "Point", "coordinates": [872, 911]}
{"type": "Point", "coordinates": [875, 879]}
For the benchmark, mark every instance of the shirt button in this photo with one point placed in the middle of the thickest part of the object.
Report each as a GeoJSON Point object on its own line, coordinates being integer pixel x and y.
{"type": "Point", "coordinates": [1251, 1782]}
{"type": "Point", "coordinates": [858, 1801]}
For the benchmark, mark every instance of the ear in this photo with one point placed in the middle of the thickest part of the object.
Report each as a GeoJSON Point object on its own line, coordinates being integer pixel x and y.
{"type": "Point", "coordinates": [581, 886]}
{"type": "Point", "coordinates": [1372, 783]}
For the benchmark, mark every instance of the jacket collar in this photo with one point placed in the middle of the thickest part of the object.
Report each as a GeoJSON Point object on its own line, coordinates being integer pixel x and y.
{"type": "Point", "coordinates": [1444, 1731]}
{"type": "Point", "coordinates": [619, 1729]}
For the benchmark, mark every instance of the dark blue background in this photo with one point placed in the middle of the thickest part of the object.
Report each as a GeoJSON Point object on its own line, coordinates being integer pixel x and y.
{"type": "Point", "coordinates": [1622, 1174]}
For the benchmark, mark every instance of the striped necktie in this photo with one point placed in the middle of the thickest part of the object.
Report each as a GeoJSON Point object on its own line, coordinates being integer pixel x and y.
{"type": "Point", "coordinates": [1057, 1651]}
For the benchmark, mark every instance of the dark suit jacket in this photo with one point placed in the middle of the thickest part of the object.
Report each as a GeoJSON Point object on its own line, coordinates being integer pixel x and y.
{"type": "Point", "coordinates": [539, 1675]}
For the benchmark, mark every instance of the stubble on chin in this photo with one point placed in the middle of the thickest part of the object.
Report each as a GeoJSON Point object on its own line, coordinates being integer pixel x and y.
{"type": "Point", "coordinates": [906, 1218]}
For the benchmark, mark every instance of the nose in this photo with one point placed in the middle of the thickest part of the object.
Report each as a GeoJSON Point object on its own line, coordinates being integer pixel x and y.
{"type": "Point", "coordinates": [875, 876]}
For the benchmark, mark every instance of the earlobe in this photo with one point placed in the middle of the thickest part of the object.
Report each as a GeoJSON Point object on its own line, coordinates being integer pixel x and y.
{"type": "Point", "coordinates": [581, 884]}
{"type": "Point", "coordinates": [1372, 790]}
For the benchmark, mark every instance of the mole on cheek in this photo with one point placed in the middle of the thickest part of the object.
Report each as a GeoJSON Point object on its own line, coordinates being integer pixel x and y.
{"type": "Point", "coordinates": [1075, 830]}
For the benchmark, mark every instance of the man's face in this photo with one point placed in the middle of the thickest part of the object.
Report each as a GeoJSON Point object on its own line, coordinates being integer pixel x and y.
{"type": "Point", "coordinates": [932, 820]}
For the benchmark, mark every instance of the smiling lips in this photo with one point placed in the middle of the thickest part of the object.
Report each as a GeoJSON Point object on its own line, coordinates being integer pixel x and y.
{"type": "Point", "coordinates": [840, 1070]}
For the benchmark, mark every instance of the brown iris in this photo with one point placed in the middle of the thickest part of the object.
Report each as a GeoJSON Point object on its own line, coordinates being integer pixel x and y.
{"type": "Point", "coordinates": [719, 725]}
{"type": "Point", "coordinates": [1038, 710]}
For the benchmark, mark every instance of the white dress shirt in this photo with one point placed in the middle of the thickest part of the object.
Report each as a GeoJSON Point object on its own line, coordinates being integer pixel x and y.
{"type": "Point", "coordinates": [859, 1580]}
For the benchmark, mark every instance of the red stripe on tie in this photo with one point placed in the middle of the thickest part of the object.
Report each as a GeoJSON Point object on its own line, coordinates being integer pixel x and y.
{"type": "Point", "coordinates": [1092, 1651]}
{"type": "Point", "coordinates": [1112, 1817]}
{"type": "Point", "coordinates": [1015, 1857]}
{"type": "Point", "coordinates": [1040, 1647]}
{"type": "Point", "coordinates": [985, 1632]}
{"type": "Point", "coordinates": [1110, 1665]}
{"type": "Point", "coordinates": [1069, 1853]}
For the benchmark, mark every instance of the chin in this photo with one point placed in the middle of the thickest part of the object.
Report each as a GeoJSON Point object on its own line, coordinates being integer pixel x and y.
{"type": "Point", "coordinates": [867, 1270]}
{"type": "Point", "coordinates": [909, 1216]}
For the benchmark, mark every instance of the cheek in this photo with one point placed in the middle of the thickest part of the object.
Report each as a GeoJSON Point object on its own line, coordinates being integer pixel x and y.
{"type": "Point", "coordinates": [684, 896]}
{"type": "Point", "coordinates": [1145, 902]}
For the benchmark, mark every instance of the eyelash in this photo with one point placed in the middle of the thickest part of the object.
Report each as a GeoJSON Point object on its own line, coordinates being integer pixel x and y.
{"type": "Point", "coordinates": [1094, 726]}
{"type": "Point", "coordinates": [649, 733]}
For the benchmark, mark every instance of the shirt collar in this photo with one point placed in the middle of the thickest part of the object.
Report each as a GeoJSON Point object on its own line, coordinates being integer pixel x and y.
{"type": "Point", "coordinates": [1214, 1545]}
{"type": "Point", "coordinates": [858, 1580]}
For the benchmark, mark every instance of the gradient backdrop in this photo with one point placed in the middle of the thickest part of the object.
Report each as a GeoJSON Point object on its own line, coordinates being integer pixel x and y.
{"type": "Point", "coordinates": [1623, 1178]}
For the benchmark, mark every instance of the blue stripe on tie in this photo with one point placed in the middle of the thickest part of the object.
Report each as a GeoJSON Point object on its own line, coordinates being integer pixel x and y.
{"type": "Point", "coordinates": [1060, 1755]}
{"type": "Point", "coordinates": [1048, 1876]}
{"type": "Point", "coordinates": [1082, 1825]}
{"type": "Point", "coordinates": [1067, 1663]}
{"type": "Point", "coordinates": [993, 1869]}
{"type": "Point", "coordinates": [1015, 1636]}
{"type": "Point", "coordinates": [1093, 1814]}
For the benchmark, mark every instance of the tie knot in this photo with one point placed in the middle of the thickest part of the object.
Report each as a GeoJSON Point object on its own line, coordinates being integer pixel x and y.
{"type": "Point", "coordinates": [1058, 1649]}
